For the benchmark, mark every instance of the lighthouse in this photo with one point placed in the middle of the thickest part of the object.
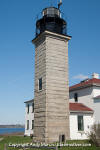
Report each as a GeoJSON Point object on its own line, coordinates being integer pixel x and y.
{"type": "Point", "coordinates": [51, 92]}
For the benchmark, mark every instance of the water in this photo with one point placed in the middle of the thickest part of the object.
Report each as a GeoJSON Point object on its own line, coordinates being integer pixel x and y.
{"type": "Point", "coordinates": [11, 130]}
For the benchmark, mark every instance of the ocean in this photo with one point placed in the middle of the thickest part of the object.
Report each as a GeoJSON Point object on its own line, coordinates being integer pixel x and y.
{"type": "Point", "coordinates": [11, 130]}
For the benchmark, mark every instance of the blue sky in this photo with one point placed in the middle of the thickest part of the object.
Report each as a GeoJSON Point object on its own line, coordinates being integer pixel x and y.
{"type": "Point", "coordinates": [17, 29]}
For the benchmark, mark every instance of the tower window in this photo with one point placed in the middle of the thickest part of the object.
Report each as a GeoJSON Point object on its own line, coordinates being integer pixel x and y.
{"type": "Point", "coordinates": [76, 97]}
{"type": "Point", "coordinates": [32, 124]}
{"type": "Point", "coordinates": [28, 106]}
{"type": "Point", "coordinates": [40, 84]}
{"type": "Point", "coordinates": [80, 123]}
{"type": "Point", "coordinates": [27, 124]}
{"type": "Point", "coordinates": [32, 107]}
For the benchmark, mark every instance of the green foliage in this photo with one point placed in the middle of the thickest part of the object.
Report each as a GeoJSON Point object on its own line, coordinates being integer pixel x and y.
{"type": "Point", "coordinates": [13, 139]}
{"type": "Point", "coordinates": [95, 134]}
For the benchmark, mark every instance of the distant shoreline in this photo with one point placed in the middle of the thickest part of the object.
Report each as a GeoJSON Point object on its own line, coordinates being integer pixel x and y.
{"type": "Point", "coordinates": [13, 134]}
{"type": "Point", "coordinates": [12, 126]}
{"type": "Point", "coordinates": [12, 131]}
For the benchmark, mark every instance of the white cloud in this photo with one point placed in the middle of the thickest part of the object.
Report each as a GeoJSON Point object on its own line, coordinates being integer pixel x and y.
{"type": "Point", "coordinates": [80, 77]}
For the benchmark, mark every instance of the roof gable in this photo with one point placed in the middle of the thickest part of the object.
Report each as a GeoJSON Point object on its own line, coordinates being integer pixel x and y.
{"type": "Point", "coordinates": [87, 83]}
{"type": "Point", "coordinates": [79, 107]}
{"type": "Point", "coordinates": [30, 101]}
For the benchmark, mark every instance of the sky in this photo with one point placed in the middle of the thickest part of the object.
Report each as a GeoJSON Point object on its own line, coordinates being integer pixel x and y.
{"type": "Point", "coordinates": [17, 29]}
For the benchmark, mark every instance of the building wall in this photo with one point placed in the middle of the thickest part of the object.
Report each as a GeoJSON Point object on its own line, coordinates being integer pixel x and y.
{"type": "Point", "coordinates": [88, 122]}
{"type": "Point", "coordinates": [57, 89]}
{"type": "Point", "coordinates": [51, 115]}
{"type": "Point", "coordinates": [97, 110]}
{"type": "Point", "coordinates": [96, 91]}
{"type": "Point", "coordinates": [40, 96]}
{"type": "Point", "coordinates": [85, 96]}
{"type": "Point", "coordinates": [29, 116]}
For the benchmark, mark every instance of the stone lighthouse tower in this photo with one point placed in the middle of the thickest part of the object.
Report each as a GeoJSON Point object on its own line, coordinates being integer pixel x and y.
{"type": "Point", "coordinates": [51, 94]}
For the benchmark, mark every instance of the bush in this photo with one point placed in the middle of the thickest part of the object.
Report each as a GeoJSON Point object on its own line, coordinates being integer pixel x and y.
{"type": "Point", "coordinates": [94, 134]}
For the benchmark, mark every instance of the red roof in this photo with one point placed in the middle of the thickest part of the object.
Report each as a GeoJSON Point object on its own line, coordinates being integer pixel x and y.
{"type": "Point", "coordinates": [85, 83]}
{"type": "Point", "coordinates": [79, 107]}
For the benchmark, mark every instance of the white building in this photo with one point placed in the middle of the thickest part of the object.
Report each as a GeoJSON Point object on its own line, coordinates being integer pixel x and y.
{"type": "Point", "coordinates": [81, 120]}
{"type": "Point", "coordinates": [29, 117]}
{"type": "Point", "coordinates": [97, 108]}
{"type": "Point", "coordinates": [88, 93]}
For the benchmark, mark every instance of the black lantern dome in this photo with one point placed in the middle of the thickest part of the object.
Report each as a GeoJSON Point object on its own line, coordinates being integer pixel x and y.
{"type": "Point", "coordinates": [51, 21]}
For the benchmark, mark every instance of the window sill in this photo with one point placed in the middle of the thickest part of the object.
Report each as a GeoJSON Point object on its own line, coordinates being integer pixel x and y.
{"type": "Point", "coordinates": [82, 132]}
{"type": "Point", "coordinates": [40, 90]}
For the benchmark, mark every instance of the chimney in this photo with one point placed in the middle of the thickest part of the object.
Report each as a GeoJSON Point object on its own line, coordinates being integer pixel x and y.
{"type": "Point", "coordinates": [95, 75]}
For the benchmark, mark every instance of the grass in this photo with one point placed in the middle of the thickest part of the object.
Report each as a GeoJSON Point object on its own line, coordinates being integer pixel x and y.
{"type": "Point", "coordinates": [21, 139]}
{"type": "Point", "coordinates": [13, 140]}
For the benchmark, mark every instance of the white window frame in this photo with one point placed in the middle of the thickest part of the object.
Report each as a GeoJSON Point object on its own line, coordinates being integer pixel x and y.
{"type": "Point", "coordinates": [78, 123]}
